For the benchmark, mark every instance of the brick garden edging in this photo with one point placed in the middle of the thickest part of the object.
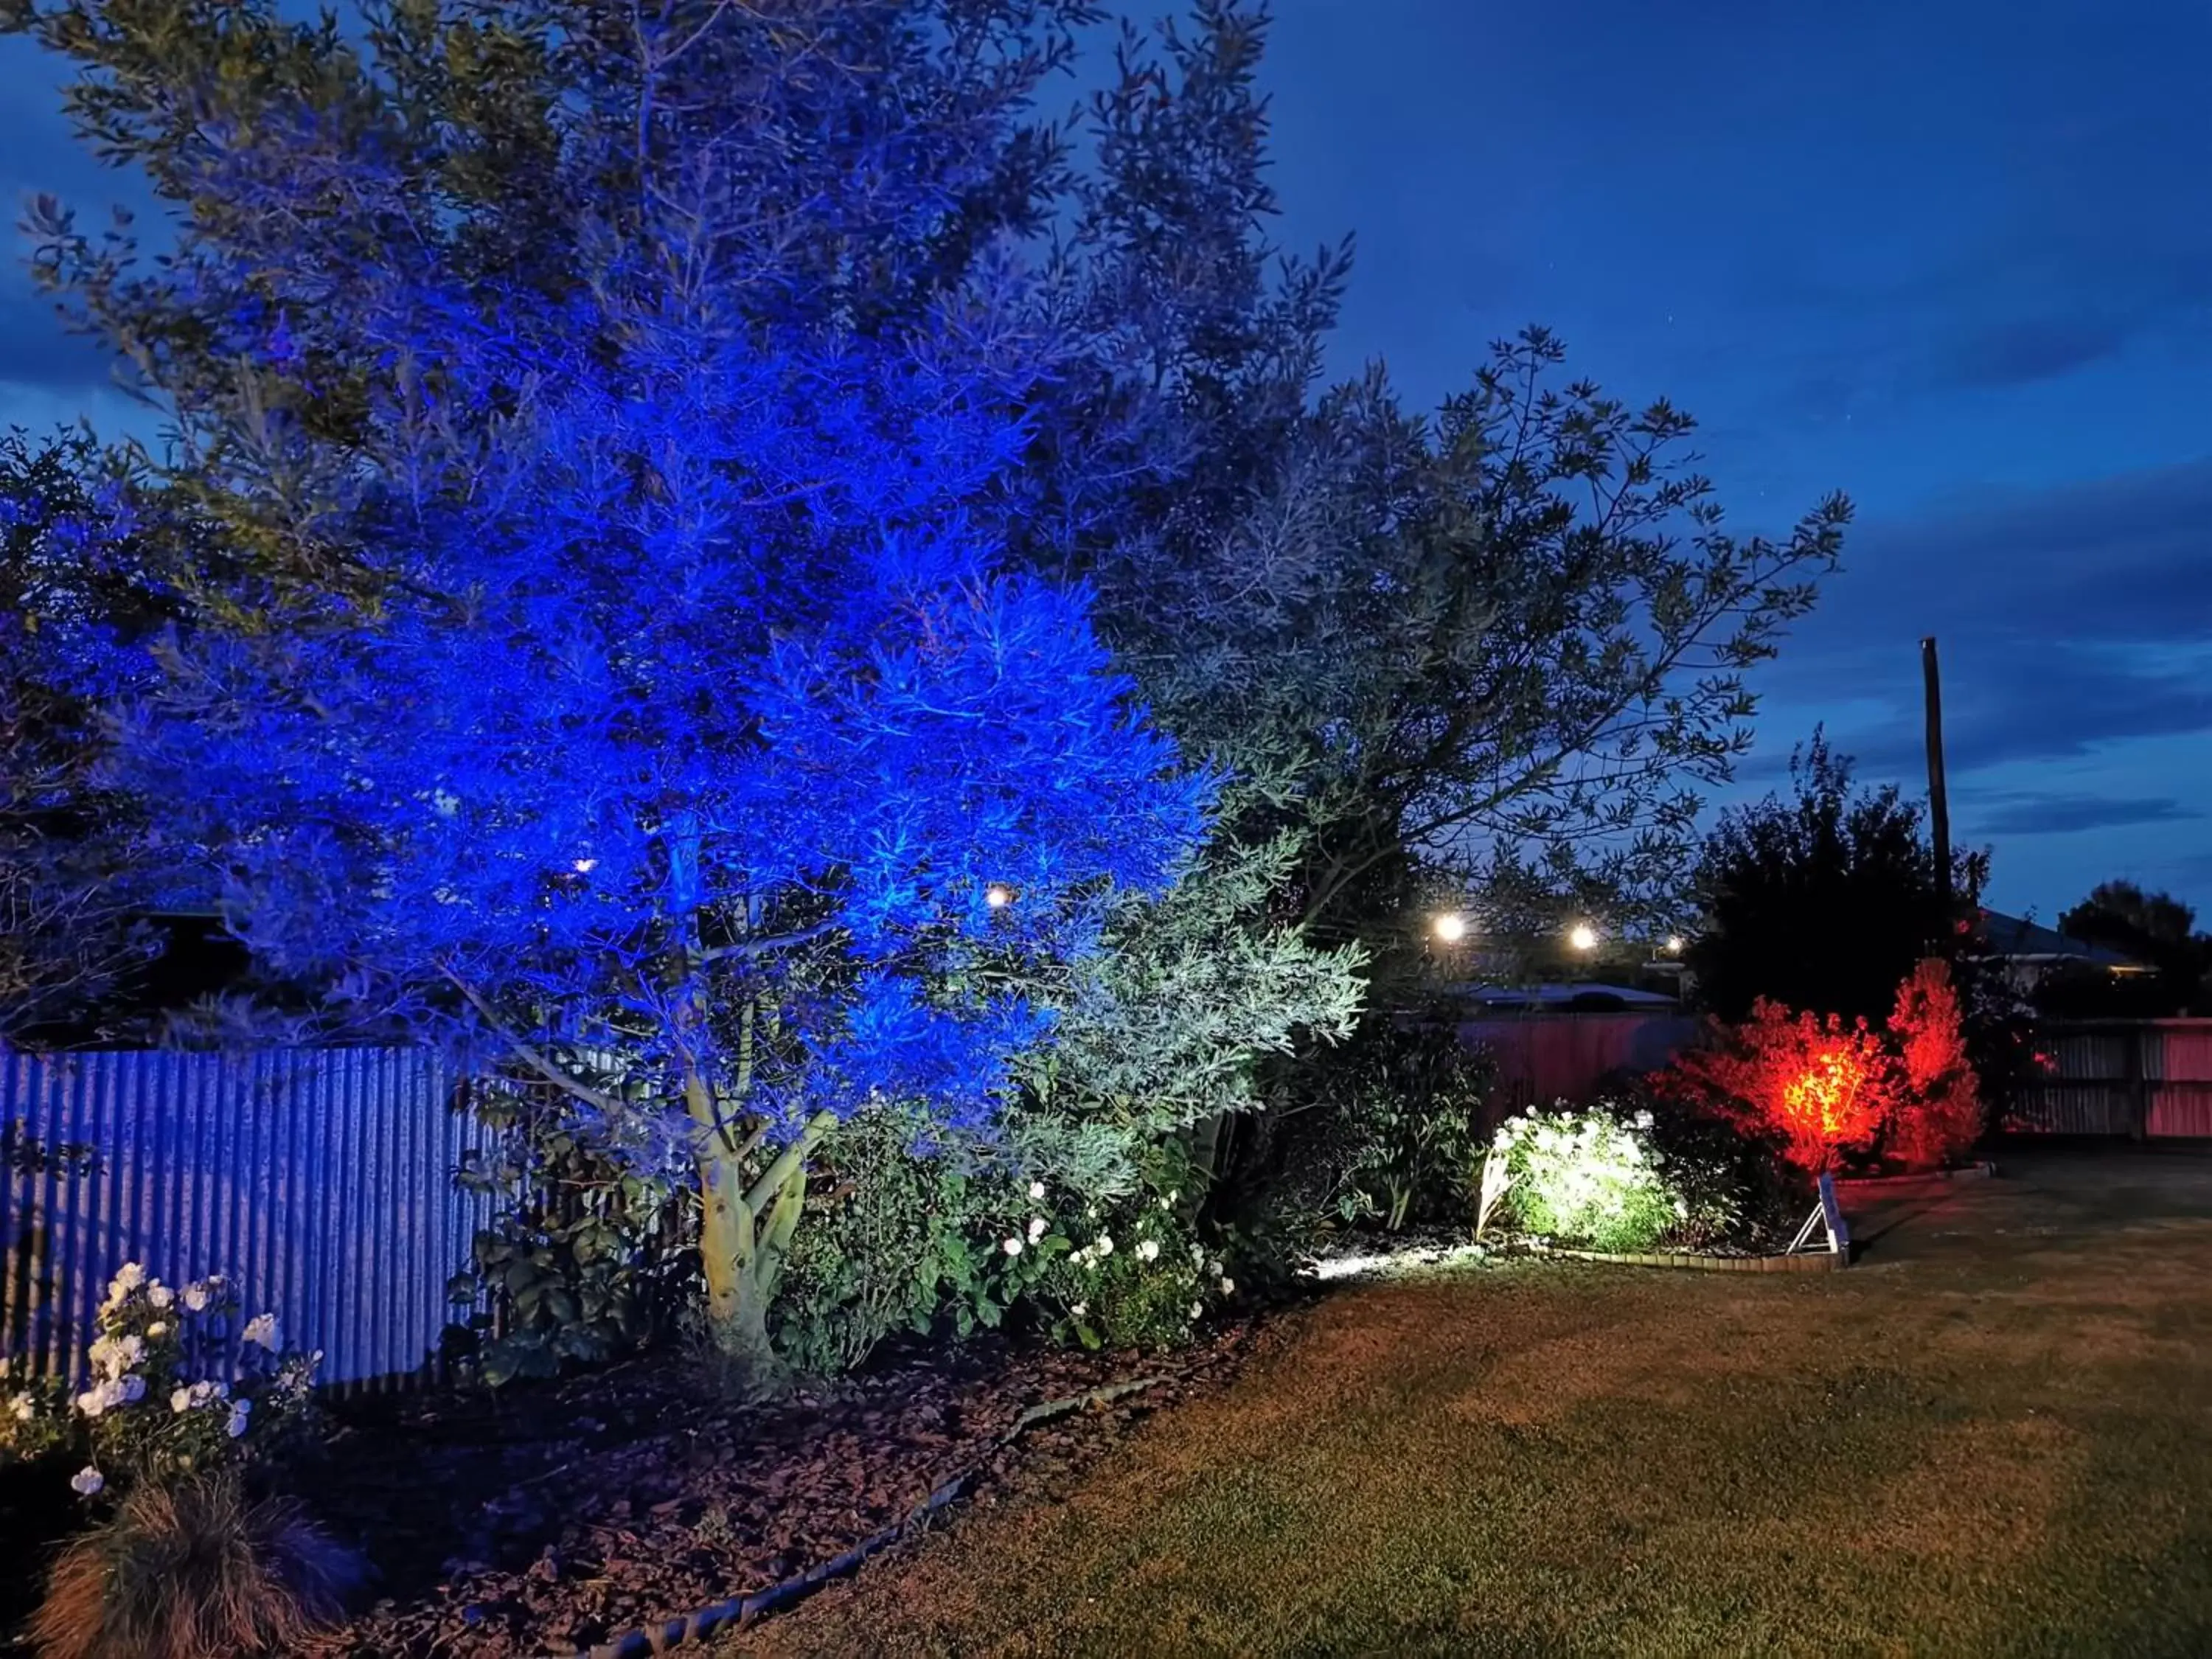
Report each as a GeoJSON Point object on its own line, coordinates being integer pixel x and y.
{"type": "Point", "coordinates": [1805, 1261]}
{"type": "Point", "coordinates": [741, 1611]}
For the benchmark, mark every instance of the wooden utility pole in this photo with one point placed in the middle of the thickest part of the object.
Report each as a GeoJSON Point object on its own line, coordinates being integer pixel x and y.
{"type": "Point", "coordinates": [1939, 803]}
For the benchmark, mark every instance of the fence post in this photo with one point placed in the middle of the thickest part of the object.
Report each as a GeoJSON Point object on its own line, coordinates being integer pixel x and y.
{"type": "Point", "coordinates": [2138, 1090]}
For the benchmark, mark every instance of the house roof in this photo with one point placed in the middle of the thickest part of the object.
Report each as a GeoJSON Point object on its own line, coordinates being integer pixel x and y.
{"type": "Point", "coordinates": [2016, 939]}
{"type": "Point", "coordinates": [1566, 999]}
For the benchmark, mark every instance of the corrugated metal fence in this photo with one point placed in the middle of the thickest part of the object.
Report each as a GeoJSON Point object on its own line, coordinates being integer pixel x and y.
{"type": "Point", "coordinates": [2141, 1079]}
{"type": "Point", "coordinates": [321, 1180]}
{"type": "Point", "coordinates": [1544, 1057]}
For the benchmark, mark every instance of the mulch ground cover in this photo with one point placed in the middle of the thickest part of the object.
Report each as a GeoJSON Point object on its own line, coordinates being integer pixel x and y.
{"type": "Point", "coordinates": [544, 1520]}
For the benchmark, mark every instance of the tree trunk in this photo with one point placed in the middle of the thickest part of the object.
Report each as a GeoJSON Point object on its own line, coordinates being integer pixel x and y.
{"type": "Point", "coordinates": [744, 1234]}
{"type": "Point", "coordinates": [737, 1311]}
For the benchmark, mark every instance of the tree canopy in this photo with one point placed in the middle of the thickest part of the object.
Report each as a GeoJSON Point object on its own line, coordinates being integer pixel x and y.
{"type": "Point", "coordinates": [1822, 901]}
{"type": "Point", "coordinates": [624, 667]}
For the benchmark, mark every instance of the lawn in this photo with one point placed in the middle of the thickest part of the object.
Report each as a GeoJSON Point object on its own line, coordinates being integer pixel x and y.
{"type": "Point", "coordinates": [1993, 1436]}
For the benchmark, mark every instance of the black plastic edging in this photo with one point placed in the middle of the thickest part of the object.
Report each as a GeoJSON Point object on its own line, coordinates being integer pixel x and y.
{"type": "Point", "coordinates": [742, 1611]}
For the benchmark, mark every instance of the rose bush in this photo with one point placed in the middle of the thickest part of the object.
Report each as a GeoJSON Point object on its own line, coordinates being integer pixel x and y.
{"type": "Point", "coordinates": [177, 1389]}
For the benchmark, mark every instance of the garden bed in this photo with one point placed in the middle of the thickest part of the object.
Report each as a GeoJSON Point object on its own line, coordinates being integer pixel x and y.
{"type": "Point", "coordinates": [552, 1519]}
{"type": "Point", "coordinates": [555, 1519]}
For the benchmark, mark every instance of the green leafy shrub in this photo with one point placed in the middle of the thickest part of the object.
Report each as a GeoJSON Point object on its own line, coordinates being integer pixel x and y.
{"type": "Point", "coordinates": [1737, 1186]}
{"type": "Point", "coordinates": [953, 1243]}
{"type": "Point", "coordinates": [200, 1569]}
{"type": "Point", "coordinates": [178, 1389]}
{"type": "Point", "coordinates": [1587, 1177]}
{"type": "Point", "coordinates": [1134, 1272]}
{"type": "Point", "coordinates": [897, 1238]}
{"type": "Point", "coordinates": [1406, 1103]}
{"type": "Point", "coordinates": [592, 1253]}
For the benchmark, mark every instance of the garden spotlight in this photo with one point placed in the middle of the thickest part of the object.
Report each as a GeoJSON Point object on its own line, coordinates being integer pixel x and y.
{"type": "Point", "coordinates": [1583, 938]}
{"type": "Point", "coordinates": [1451, 928]}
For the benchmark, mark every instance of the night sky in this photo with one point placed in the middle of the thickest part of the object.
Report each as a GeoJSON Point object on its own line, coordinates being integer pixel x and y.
{"type": "Point", "coordinates": [1954, 257]}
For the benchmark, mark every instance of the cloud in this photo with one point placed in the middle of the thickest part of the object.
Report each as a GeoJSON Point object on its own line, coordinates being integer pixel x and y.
{"type": "Point", "coordinates": [2068, 618]}
{"type": "Point", "coordinates": [2020, 353]}
{"type": "Point", "coordinates": [2024, 814]}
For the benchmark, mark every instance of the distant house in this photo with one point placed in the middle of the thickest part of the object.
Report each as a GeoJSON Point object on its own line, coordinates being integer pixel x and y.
{"type": "Point", "coordinates": [2032, 953]}
{"type": "Point", "coordinates": [1574, 998]}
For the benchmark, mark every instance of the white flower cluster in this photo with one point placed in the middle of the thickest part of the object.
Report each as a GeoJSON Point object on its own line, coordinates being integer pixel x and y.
{"type": "Point", "coordinates": [194, 1395]}
{"type": "Point", "coordinates": [103, 1397]}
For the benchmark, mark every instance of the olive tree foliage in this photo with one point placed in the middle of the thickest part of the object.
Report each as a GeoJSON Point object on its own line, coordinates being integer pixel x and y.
{"type": "Point", "coordinates": [614, 413]}
{"type": "Point", "coordinates": [68, 933]}
{"type": "Point", "coordinates": [1498, 648]}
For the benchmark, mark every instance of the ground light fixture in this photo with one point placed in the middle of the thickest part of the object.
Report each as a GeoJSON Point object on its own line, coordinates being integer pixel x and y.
{"type": "Point", "coordinates": [1673, 945]}
{"type": "Point", "coordinates": [1582, 936]}
{"type": "Point", "coordinates": [1450, 927]}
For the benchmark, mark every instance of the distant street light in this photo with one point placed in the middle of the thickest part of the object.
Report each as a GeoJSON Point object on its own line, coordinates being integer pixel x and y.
{"type": "Point", "coordinates": [998, 897]}
{"type": "Point", "coordinates": [1451, 928]}
{"type": "Point", "coordinates": [1583, 936]}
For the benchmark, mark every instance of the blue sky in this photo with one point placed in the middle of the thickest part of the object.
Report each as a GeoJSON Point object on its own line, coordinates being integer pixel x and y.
{"type": "Point", "coordinates": [1954, 257]}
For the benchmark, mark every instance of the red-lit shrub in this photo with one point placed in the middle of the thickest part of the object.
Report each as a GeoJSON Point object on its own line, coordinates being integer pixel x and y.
{"type": "Point", "coordinates": [1939, 1113]}
{"type": "Point", "coordinates": [1825, 1088]}
{"type": "Point", "coordinates": [1908, 1095]}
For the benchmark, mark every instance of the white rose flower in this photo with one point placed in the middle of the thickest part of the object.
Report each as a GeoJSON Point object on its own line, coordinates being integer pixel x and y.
{"type": "Point", "coordinates": [87, 1482]}
{"type": "Point", "coordinates": [160, 1296]}
{"type": "Point", "coordinates": [1037, 1189]}
{"type": "Point", "coordinates": [1012, 1247]}
{"type": "Point", "coordinates": [23, 1407]}
{"type": "Point", "coordinates": [128, 1278]}
{"type": "Point", "coordinates": [236, 1425]}
{"type": "Point", "coordinates": [196, 1298]}
{"type": "Point", "coordinates": [1197, 1308]}
{"type": "Point", "coordinates": [262, 1328]}
{"type": "Point", "coordinates": [1149, 1251]}
{"type": "Point", "coordinates": [158, 1328]}
{"type": "Point", "coordinates": [1229, 1287]}
{"type": "Point", "coordinates": [92, 1401]}
{"type": "Point", "coordinates": [1080, 1309]}
{"type": "Point", "coordinates": [1036, 1228]}
{"type": "Point", "coordinates": [182, 1400]}
{"type": "Point", "coordinates": [1105, 1244]}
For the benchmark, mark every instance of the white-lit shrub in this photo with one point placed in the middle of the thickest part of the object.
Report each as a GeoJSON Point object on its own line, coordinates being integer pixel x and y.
{"type": "Point", "coordinates": [1586, 1177]}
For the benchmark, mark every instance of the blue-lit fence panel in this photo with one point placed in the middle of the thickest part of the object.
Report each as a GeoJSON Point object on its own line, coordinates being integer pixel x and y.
{"type": "Point", "coordinates": [320, 1180]}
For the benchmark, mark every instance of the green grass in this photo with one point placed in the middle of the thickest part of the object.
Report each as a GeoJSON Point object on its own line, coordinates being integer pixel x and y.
{"type": "Point", "coordinates": [1992, 1436]}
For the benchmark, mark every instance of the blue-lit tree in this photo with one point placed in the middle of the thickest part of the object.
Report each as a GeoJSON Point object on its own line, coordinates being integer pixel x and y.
{"type": "Point", "coordinates": [609, 411]}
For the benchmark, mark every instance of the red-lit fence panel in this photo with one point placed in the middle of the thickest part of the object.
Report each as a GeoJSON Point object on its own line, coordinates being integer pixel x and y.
{"type": "Point", "coordinates": [2142, 1079]}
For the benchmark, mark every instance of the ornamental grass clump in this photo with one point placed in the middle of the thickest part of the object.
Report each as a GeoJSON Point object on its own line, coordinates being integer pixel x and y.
{"type": "Point", "coordinates": [200, 1569]}
{"type": "Point", "coordinates": [1585, 1177]}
